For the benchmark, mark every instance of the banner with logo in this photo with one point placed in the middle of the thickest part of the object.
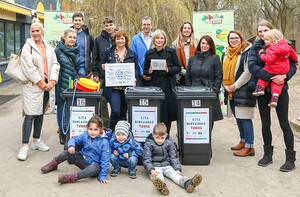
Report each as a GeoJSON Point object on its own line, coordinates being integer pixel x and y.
{"type": "Point", "coordinates": [55, 23]}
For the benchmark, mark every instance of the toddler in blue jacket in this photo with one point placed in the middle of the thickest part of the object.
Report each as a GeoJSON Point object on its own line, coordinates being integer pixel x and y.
{"type": "Point", "coordinates": [125, 150]}
{"type": "Point", "coordinates": [93, 159]}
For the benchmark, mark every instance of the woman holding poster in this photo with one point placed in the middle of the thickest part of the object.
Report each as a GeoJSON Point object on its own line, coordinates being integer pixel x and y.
{"type": "Point", "coordinates": [185, 45]}
{"type": "Point", "coordinates": [119, 53]}
{"type": "Point", "coordinates": [161, 64]}
{"type": "Point", "coordinates": [205, 69]}
{"type": "Point", "coordinates": [238, 94]}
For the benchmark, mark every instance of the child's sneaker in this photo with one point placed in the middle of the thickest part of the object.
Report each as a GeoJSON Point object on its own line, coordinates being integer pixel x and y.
{"type": "Point", "coordinates": [23, 153]}
{"type": "Point", "coordinates": [115, 173]}
{"type": "Point", "coordinates": [273, 101]}
{"type": "Point", "coordinates": [190, 184]}
{"type": "Point", "coordinates": [260, 90]}
{"type": "Point", "coordinates": [132, 175]}
{"type": "Point", "coordinates": [39, 145]}
{"type": "Point", "coordinates": [161, 186]}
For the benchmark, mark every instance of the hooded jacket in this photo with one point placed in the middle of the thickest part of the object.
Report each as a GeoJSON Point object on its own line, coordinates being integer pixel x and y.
{"type": "Point", "coordinates": [95, 151]}
{"type": "Point", "coordinates": [160, 155]}
{"type": "Point", "coordinates": [130, 146]}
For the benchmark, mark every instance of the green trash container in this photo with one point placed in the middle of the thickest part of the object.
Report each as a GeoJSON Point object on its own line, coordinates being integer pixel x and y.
{"type": "Point", "coordinates": [194, 124]}
{"type": "Point", "coordinates": [85, 105]}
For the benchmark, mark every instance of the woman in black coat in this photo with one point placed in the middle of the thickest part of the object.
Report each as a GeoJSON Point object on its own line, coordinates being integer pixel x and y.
{"type": "Point", "coordinates": [165, 79]}
{"type": "Point", "coordinates": [205, 69]}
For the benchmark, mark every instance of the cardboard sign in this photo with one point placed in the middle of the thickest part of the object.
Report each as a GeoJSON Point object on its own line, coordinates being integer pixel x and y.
{"type": "Point", "coordinates": [119, 74]}
{"type": "Point", "coordinates": [158, 64]}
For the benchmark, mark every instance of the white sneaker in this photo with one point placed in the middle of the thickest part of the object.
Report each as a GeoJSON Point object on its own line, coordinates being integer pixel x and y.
{"type": "Point", "coordinates": [39, 145]}
{"type": "Point", "coordinates": [23, 153]}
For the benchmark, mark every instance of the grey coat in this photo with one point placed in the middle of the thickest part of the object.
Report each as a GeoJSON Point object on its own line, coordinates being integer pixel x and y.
{"type": "Point", "coordinates": [160, 155]}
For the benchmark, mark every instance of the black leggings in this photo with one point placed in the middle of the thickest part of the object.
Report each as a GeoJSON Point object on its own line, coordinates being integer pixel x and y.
{"type": "Point", "coordinates": [282, 114]}
{"type": "Point", "coordinates": [37, 121]}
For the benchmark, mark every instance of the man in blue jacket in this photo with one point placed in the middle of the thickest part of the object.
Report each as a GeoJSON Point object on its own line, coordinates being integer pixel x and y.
{"type": "Point", "coordinates": [140, 44]}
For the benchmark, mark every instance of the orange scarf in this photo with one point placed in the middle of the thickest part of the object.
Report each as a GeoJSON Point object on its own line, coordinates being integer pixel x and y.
{"type": "Point", "coordinates": [229, 65]}
{"type": "Point", "coordinates": [181, 54]}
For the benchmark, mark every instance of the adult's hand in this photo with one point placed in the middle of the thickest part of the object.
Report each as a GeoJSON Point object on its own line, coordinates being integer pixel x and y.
{"type": "Point", "coordinates": [150, 69]}
{"type": "Point", "coordinates": [231, 88]}
{"type": "Point", "coordinates": [146, 78]}
{"type": "Point", "coordinates": [96, 79]}
{"type": "Point", "coordinates": [227, 88]}
{"type": "Point", "coordinates": [167, 70]}
{"type": "Point", "coordinates": [278, 79]}
{"type": "Point", "coordinates": [103, 66]}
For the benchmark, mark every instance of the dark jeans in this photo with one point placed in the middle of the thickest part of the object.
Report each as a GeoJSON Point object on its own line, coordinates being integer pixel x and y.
{"type": "Point", "coordinates": [245, 127]}
{"type": "Point", "coordinates": [282, 114]}
{"type": "Point", "coordinates": [118, 107]}
{"type": "Point", "coordinates": [37, 121]}
{"type": "Point", "coordinates": [129, 163]}
{"type": "Point", "coordinates": [87, 170]}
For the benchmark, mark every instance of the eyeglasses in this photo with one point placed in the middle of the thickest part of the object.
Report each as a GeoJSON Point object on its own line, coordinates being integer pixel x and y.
{"type": "Point", "coordinates": [235, 38]}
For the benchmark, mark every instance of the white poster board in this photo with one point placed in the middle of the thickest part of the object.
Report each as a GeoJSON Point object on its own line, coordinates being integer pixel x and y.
{"type": "Point", "coordinates": [79, 119]}
{"type": "Point", "coordinates": [119, 74]}
{"type": "Point", "coordinates": [158, 64]}
{"type": "Point", "coordinates": [143, 121]}
{"type": "Point", "coordinates": [196, 125]}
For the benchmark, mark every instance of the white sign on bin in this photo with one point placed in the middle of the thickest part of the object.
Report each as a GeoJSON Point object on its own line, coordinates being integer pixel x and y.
{"type": "Point", "coordinates": [143, 121]}
{"type": "Point", "coordinates": [196, 126]}
{"type": "Point", "coordinates": [158, 64]}
{"type": "Point", "coordinates": [119, 74]}
{"type": "Point", "coordinates": [79, 119]}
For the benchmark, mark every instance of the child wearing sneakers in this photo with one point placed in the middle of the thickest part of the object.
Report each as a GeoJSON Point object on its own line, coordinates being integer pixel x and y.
{"type": "Point", "coordinates": [160, 159]}
{"type": "Point", "coordinates": [276, 58]}
{"type": "Point", "coordinates": [93, 159]}
{"type": "Point", "coordinates": [125, 150]}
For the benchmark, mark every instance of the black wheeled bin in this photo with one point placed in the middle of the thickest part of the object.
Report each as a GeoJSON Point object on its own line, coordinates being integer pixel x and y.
{"type": "Point", "coordinates": [85, 105]}
{"type": "Point", "coordinates": [194, 124]}
{"type": "Point", "coordinates": [143, 109]}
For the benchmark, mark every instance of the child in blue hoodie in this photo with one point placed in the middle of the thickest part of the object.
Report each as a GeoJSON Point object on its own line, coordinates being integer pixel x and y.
{"type": "Point", "coordinates": [93, 159]}
{"type": "Point", "coordinates": [126, 150]}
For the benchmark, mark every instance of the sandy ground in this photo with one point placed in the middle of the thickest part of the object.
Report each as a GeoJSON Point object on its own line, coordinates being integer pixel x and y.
{"type": "Point", "coordinates": [226, 176]}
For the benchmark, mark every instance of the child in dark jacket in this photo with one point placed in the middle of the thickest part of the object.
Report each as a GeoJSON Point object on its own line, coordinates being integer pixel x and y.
{"type": "Point", "coordinates": [126, 150]}
{"type": "Point", "coordinates": [276, 58]}
{"type": "Point", "coordinates": [93, 159]}
{"type": "Point", "coordinates": [160, 158]}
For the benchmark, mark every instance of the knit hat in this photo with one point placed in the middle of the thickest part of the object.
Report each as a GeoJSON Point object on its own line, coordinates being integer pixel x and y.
{"type": "Point", "coordinates": [123, 127]}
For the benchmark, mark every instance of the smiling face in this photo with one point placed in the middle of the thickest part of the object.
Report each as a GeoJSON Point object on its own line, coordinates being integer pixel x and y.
{"type": "Point", "coordinates": [159, 41]}
{"type": "Point", "coordinates": [121, 137]}
{"type": "Point", "coordinates": [234, 40]}
{"type": "Point", "coordinates": [120, 41]}
{"type": "Point", "coordinates": [261, 31]}
{"type": "Point", "coordinates": [36, 33]}
{"type": "Point", "coordinates": [146, 26]}
{"type": "Point", "coordinates": [204, 46]}
{"type": "Point", "coordinates": [109, 28]}
{"type": "Point", "coordinates": [186, 30]}
{"type": "Point", "coordinates": [70, 39]}
{"type": "Point", "coordinates": [78, 22]}
{"type": "Point", "coordinates": [93, 130]}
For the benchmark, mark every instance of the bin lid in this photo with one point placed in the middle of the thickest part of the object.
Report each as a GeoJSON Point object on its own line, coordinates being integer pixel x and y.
{"type": "Point", "coordinates": [144, 92]}
{"type": "Point", "coordinates": [68, 93]}
{"type": "Point", "coordinates": [191, 92]}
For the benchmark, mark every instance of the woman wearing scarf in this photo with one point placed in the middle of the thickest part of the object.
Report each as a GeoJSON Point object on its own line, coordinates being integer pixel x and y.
{"type": "Point", "coordinates": [235, 81]}
{"type": "Point", "coordinates": [185, 45]}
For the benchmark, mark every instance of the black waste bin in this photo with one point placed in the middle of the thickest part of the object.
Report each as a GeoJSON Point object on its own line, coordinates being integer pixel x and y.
{"type": "Point", "coordinates": [194, 124]}
{"type": "Point", "coordinates": [143, 109]}
{"type": "Point", "coordinates": [85, 105]}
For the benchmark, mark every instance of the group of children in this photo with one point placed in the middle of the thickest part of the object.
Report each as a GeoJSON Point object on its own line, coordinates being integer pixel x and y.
{"type": "Point", "coordinates": [99, 147]}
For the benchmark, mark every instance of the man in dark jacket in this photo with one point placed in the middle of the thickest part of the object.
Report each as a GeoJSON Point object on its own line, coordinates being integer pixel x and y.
{"type": "Point", "coordinates": [160, 158]}
{"type": "Point", "coordinates": [86, 43]}
{"type": "Point", "coordinates": [102, 43]}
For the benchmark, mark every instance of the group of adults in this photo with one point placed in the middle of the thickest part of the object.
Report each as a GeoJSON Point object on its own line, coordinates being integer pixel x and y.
{"type": "Point", "coordinates": [188, 62]}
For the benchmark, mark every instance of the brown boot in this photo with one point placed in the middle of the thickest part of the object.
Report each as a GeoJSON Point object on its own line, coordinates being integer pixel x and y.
{"type": "Point", "coordinates": [240, 146]}
{"type": "Point", "coordinates": [67, 178]}
{"type": "Point", "coordinates": [245, 152]}
{"type": "Point", "coordinates": [52, 165]}
{"type": "Point", "coordinates": [161, 186]}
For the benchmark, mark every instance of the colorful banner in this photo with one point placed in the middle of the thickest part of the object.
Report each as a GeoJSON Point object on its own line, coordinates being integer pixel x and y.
{"type": "Point", "coordinates": [196, 126]}
{"type": "Point", "coordinates": [79, 119]}
{"type": "Point", "coordinates": [216, 24]}
{"type": "Point", "coordinates": [56, 22]}
{"type": "Point", "coordinates": [143, 121]}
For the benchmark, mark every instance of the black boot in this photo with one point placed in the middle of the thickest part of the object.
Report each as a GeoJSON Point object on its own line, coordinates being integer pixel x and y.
{"type": "Point", "coordinates": [267, 158]}
{"type": "Point", "coordinates": [289, 161]}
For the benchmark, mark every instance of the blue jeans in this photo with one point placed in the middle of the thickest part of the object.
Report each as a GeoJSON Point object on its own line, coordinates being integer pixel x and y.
{"type": "Point", "coordinates": [245, 127]}
{"type": "Point", "coordinates": [60, 106]}
{"type": "Point", "coordinates": [129, 163]}
{"type": "Point", "coordinates": [118, 107]}
{"type": "Point", "coordinates": [82, 72]}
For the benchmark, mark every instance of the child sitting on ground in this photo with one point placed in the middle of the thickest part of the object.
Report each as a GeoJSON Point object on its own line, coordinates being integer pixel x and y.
{"type": "Point", "coordinates": [93, 159]}
{"type": "Point", "coordinates": [125, 150]}
{"type": "Point", "coordinates": [277, 62]}
{"type": "Point", "coordinates": [160, 158]}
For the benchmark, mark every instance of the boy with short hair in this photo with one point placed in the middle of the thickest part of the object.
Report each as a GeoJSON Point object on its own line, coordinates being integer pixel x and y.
{"type": "Point", "coordinates": [125, 150]}
{"type": "Point", "coordinates": [160, 158]}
